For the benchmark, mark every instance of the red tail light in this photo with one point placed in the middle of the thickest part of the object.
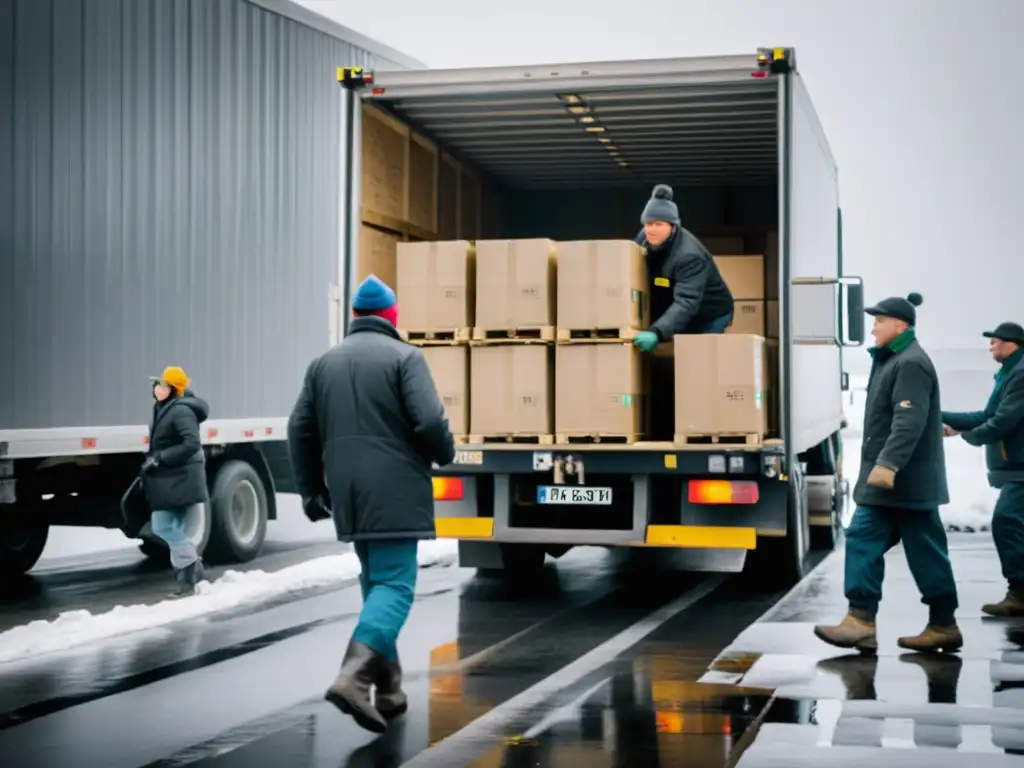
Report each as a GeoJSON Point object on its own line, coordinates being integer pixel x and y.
{"type": "Point", "coordinates": [448, 489]}
{"type": "Point", "coordinates": [723, 492]}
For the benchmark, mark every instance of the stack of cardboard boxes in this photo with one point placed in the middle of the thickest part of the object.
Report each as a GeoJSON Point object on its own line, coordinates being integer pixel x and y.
{"type": "Point", "coordinates": [531, 341]}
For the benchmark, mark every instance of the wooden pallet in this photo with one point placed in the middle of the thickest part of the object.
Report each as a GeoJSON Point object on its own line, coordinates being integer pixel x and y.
{"type": "Point", "coordinates": [721, 438]}
{"type": "Point", "coordinates": [597, 334]}
{"type": "Point", "coordinates": [452, 336]}
{"type": "Point", "coordinates": [463, 440]}
{"type": "Point", "coordinates": [524, 439]}
{"type": "Point", "coordinates": [536, 333]}
{"type": "Point", "coordinates": [579, 439]}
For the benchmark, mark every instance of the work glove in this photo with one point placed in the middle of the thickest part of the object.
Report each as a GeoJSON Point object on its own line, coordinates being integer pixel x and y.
{"type": "Point", "coordinates": [882, 477]}
{"type": "Point", "coordinates": [317, 508]}
{"type": "Point", "coordinates": [645, 341]}
{"type": "Point", "coordinates": [151, 462]}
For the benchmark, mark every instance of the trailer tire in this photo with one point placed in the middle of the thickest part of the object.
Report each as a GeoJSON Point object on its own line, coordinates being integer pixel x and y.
{"type": "Point", "coordinates": [21, 546]}
{"type": "Point", "coordinates": [239, 512]}
{"type": "Point", "coordinates": [779, 562]}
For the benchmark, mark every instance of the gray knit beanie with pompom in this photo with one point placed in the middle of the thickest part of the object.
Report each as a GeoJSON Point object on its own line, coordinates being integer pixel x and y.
{"type": "Point", "coordinates": [661, 207]}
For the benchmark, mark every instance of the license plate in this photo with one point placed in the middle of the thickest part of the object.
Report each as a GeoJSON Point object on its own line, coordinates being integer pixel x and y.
{"type": "Point", "coordinates": [573, 494]}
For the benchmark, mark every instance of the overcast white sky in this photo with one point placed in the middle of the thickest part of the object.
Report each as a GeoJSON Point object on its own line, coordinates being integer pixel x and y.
{"type": "Point", "coordinates": [921, 100]}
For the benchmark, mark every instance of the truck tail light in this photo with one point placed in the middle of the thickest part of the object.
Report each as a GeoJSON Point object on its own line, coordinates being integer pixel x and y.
{"type": "Point", "coordinates": [448, 489]}
{"type": "Point", "coordinates": [723, 492]}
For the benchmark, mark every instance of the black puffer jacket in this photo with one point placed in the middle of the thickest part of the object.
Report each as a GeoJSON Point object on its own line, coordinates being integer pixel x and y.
{"type": "Point", "coordinates": [179, 478]}
{"type": "Point", "coordinates": [903, 429]}
{"type": "Point", "coordinates": [369, 421]}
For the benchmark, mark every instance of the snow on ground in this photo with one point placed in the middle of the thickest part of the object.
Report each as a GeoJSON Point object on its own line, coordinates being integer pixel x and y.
{"type": "Point", "coordinates": [76, 628]}
{"type": "Point", "coordinates": [971, 500]}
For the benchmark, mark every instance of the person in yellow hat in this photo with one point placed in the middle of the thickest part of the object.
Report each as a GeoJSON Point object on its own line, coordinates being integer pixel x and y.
{"type": "Point", "coordinates": [174, 471]}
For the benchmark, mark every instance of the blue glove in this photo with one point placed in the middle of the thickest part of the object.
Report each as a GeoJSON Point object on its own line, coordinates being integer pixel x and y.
{"type": "Point", "coordinates": [645, 341]}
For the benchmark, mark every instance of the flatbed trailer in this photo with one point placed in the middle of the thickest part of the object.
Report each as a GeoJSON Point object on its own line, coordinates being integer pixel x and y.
{"type": "Point", "coordinates": [574, 150]}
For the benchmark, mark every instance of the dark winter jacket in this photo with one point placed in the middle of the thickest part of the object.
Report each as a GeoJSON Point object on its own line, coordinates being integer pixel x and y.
{"type": "Point", "coordinates": [687, 290]}
{"type": "Point", "coordinates": [903, 429]}
{"type": "Point", "coordinates": [179, 478]}
{"type": "Point", "coordinates": [369, 423]}
{"type": "Point", "coordinates": [1000, 427]}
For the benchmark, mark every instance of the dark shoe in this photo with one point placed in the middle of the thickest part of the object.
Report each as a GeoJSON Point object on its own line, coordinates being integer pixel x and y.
{"type": "Point", "coordinates": [389, 697]}
{"type": "Point", "coordinates": [186, 578]}
{"type": "Point", "coordinates": [851, 632]}
{"type": "Point", "coordinates": [933, 640]}
{"type": "Point", "coordinates": [351, 690]}
{"type": "Point", "coordinates": [1011, 605]}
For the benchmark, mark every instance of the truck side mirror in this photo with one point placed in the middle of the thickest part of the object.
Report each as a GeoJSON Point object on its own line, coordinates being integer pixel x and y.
{"type": "Point", "coordinates": [854, 305]}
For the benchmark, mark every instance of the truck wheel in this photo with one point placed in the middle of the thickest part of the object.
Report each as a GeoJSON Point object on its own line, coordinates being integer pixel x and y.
{"type": "Point", "coordinates": [780, 562]}
{"type": "Point", "coordinates": [239, 507]}
{"type": "Point", "coordinates": [197, 526]}
{"type": "Point", "coordinates": [21, 546]}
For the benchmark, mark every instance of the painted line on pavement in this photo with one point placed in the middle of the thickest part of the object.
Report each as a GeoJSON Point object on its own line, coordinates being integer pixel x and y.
{"type": "Point", "coordinates": [489, 729]}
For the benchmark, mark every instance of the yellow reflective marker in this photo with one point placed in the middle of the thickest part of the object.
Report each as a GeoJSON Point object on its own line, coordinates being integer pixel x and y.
{"type": "Point", "coordinates": [661, 282]}
{"type": "Point", "coordinates": [671, 461]}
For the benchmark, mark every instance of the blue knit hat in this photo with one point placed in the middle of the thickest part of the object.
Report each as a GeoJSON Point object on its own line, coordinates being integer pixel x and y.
{"type": "Point", "coordinates": [373, 295]}
{"type": "Point", "coordinates": [660, 207]}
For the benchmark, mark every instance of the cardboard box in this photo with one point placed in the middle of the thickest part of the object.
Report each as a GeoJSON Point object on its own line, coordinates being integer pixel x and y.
{"type": "Point", "coordinates": [515, 284]}
{"type": "Point", "coordinates": [748, 318]}
{"type": "Point", "coordinates": [602, 284]}
{"type": "Point", "coordinates": [771, 319]}
{"type": "Point", "coordinates": [720, 385]}
{"type": "Point", "coordinates": [436, 285]}
{"type": "Point", "coordinates": [744, 275]}
{"type": "Point", "coordinates": [511, 390]}
{"type": "Point", "coordinates": [599, 390]}
{"type": "Point", "coordinates": [450, 368]}
{"type": "Point", "coordinates": [717, 244]}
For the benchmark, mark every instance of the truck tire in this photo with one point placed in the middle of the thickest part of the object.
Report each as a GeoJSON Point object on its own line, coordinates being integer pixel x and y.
{"type": "Point", "coordinates": [197, 526]}
{"type": "Point", "coordinates": [239, 507]}
{"type": "Point", "coordinates": [779, 562]}
{"type": "Point", "coordinates": [21, 546]}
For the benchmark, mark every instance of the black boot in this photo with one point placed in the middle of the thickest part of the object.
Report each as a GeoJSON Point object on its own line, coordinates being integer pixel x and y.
{"type": "Point", "coordinates": [351, 690]}
{"type": "Point", "coordinates": [390, 699]}
{"type": "Point", "coordinates": [186, 578]}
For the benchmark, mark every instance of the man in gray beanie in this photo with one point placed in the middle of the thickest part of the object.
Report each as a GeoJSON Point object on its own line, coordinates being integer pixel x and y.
{"type": "Point", "coordinates": [901, 486]}
{"type": "Point", "coordinates": [688, 295]}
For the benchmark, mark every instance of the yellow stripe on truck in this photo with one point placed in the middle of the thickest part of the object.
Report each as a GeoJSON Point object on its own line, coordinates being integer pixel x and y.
{"type": "Point", "coordinates": [701, 537]}
{"type": "Point", "coordinates": [464, 527]}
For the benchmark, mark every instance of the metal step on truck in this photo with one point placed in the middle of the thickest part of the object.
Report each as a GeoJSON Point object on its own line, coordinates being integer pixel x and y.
{"type": "Point", "coordinates": [571, 151]}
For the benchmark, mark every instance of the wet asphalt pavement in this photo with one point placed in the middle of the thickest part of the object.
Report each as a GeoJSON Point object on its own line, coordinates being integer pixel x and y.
{"type": "Point", "coordinates": [589, 665]}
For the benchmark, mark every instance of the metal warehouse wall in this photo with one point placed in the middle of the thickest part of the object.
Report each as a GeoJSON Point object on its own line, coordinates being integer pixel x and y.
{"type": "Point", "coordinates": [168, 195]}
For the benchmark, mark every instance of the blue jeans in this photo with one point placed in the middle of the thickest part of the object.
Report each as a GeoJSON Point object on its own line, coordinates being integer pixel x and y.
{"type": "Point", "coordinates": [169, 525]}
{"type": "Point", "coordinates": [876, 530]}
{"type": "Point", "coordinates": [1008, 533]}
{"type": "Point", "coordinates": [388, 582]}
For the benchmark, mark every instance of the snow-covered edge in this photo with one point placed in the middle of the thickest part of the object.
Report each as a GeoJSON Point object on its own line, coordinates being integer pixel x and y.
{"type": "Point", "coordinates": [73, 629]}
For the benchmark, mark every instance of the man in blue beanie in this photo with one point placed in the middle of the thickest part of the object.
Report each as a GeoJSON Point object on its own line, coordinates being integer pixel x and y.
{"type": "Point", "coordinates": [901, 486]}
{"type": "Point", "coordinates": [364, 432]}
{"type": "Point", "coordinates": [688, 294]}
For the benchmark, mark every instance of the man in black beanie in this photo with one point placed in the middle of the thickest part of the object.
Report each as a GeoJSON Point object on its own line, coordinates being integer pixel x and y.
{"type": "Point", "coordinates": [688, 295]}
{"type": "Point", "coordinates": [902, 484]}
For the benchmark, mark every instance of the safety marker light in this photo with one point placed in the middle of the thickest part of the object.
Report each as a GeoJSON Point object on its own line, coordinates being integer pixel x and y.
{"type": "Point", "coordinates": [723, 492]}
{"type": "Point", "coordinates": [448, 489]}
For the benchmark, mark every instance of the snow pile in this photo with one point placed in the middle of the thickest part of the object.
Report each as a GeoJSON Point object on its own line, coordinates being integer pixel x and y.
{"type": "Point", "coordinates": [76, 628]}
{"type": "Point", "coordinates": [971, 500]}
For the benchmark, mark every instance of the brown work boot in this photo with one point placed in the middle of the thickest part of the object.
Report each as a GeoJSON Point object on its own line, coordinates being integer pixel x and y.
{"type": "Point", "coordinates": [851, 632]}
{"type": "Point", "coordinates": [390, 699]}
{"type": "Point", "coordinates": [934, 639]}
{"type": "Point", "coordinates": [1011, 605]}
{"type": "Point", "coordinates": [351, 690]}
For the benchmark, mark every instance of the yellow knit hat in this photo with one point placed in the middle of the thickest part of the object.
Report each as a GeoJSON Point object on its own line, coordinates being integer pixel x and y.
{"type": "Point", "coordinates": [175, 378]}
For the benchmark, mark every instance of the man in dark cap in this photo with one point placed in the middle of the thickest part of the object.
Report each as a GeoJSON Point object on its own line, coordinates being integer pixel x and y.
{"type": "Point", "coordinates": [361, 438]}
{"type": "Point", "coordinates": [1000, 428]}
{"type": "Point", "coordinates": [902, 484]}
{"type": "Point", "coordinates": [688, 295]}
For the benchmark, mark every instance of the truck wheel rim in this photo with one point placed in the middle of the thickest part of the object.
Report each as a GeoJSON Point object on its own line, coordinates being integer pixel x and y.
{"type": "Point", "coordinates": [245, 512]}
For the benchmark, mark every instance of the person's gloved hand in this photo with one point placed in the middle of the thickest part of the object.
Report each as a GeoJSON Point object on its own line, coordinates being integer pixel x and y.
{"type": "Point", "coordinates": [151, 462]}
{"type": "Point", "coordinates": [645, 341]}
{"type": "Point", "coordinates": [882, 477]}
{"type": "Point", "coordinates": [316, 509]}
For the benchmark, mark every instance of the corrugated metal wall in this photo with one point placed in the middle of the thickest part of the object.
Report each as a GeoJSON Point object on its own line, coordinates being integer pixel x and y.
{"type": "Point", "coordinates": [168, 195]}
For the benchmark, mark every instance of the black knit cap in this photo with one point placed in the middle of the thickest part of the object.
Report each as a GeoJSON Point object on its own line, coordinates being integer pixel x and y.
{"type": "Point", "coordinates": [1007, 332]}
{"type": "Point", "coordinates": [898, 307]}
